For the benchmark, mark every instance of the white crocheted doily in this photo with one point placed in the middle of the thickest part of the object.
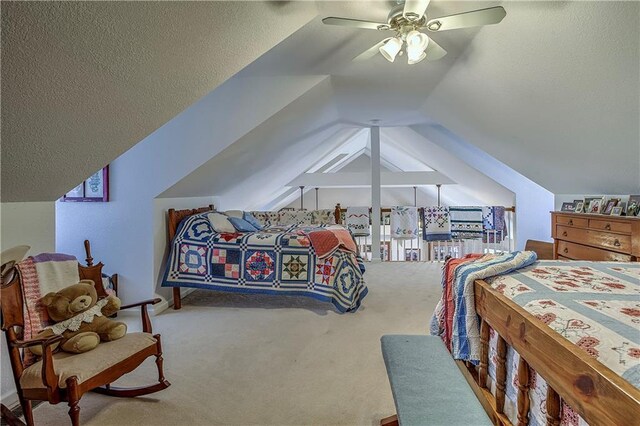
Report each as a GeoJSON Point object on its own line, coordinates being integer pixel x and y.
{"type": "Point", "coordinates": [74, 323]}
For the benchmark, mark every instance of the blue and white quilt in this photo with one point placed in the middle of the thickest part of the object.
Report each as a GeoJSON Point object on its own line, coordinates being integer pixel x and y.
{"type": "Point", "coordinates": [277, 260]}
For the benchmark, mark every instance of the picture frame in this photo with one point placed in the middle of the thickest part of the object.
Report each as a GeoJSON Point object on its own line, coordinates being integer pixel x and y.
{"type": "Point", "coordinates": [610, 205]}
{"type": "Point", "coordinates": [587, 203]}
{"type": "Point", "coordinates": [568, 207]}
{"type": "Point", "coordinates": [594, 206]}
{"type": "Point", "coordinates": [623, 205]}
{"type": "Point", "coordinates": [579, 207]}
{"type": "Point", "coordinates": [94, 189]}
{"type": "Point", "coordinates": [616, 211]}
{"type": "Point", "coordinates": [632, 209]}
{"type": "Point", "coordinates": [634, 199]}
{"type": "Point", "coordinates": [412, 255]}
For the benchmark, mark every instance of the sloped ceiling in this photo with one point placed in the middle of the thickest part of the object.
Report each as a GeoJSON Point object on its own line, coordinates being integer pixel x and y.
{"type": "Point", "coordinates": [550, 91]}
{"type": "Point", "coordinates": [553, 92]}
{"type": "Point", "coordinates": [82, 82]}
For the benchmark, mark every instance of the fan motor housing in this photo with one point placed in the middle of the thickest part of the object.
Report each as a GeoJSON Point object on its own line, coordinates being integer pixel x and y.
{"type": "Point", "coordinates": [398, 22]}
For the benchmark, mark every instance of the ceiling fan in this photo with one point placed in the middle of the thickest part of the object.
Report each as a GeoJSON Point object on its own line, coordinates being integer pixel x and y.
{"type": "Point", "coordinates": [407, 20]}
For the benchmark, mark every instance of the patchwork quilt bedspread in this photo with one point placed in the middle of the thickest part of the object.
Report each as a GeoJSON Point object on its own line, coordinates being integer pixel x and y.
{"type": "Point", "coordinates": [595, 305]}
{"type": "Point", "coordinates": [277, 260]}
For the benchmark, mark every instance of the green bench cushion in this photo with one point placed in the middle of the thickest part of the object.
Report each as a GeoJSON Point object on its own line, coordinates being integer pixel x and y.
{"type": "Point", "coordinates": [428, 387]}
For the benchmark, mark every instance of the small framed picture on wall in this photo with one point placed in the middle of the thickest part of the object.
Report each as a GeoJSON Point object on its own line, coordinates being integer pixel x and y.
{"type": "Point", "coordinates": [94, 189]}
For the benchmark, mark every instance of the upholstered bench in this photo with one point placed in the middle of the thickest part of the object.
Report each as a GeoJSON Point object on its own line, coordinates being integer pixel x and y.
{"type": "Point", "coordinates": [428, 387]}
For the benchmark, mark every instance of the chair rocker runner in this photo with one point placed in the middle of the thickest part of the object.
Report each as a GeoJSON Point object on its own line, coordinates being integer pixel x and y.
{"type": "Point", "coordinates": [62, 377]}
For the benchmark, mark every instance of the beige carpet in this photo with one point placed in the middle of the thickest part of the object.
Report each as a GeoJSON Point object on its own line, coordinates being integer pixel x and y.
{"type": "Point", "coordinates": [235, 359]}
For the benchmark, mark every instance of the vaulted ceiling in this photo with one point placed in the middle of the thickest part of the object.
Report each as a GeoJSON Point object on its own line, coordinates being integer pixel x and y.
{"type": "Point", "coordinates": [553, 91]}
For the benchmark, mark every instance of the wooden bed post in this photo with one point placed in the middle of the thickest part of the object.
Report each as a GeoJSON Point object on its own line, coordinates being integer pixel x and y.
{"type": "Point", "coordinates": [173, 221]}
{"type": "Point", "coordinates": [553, 407]}
{"type": "Point", "coordinates": [338, 214]}
{"type": "Point", "coordinates": [523, 392]}
{"type": "Point", "coordinates": [484, 354]}
{"type": "Point", "coordinates": [501, 374]}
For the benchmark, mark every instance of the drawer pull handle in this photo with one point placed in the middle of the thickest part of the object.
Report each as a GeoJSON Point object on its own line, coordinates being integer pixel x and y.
{"type": "Point", "coordinates": [566, 250]}
{"type": "Point", "coordinates": [616, 243]}
{"type": "Point", "coordinates": [570, 221]}
{"type": "Point", "coordinates": [564, 234]}
{"type": "Point", "coordinates": [607, 227]}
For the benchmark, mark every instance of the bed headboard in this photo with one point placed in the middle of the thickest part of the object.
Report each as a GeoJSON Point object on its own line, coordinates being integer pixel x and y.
{"type": "Point", "coordinates": [176, 216]}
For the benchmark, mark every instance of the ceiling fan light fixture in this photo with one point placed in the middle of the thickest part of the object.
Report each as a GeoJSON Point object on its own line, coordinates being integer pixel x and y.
{"type": "Point", "coordinates": [412, 60]}
{"type": "Point", "coordinates": [417, 42]}
{"type": "Point", "coordinates": [391, 49]}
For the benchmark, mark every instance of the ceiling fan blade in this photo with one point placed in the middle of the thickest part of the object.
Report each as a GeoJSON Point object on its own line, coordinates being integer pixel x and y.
{"type": "Point", "coordinates": [434, 51]}
{"type": "Point", "coordinates": [355, 23]}
{"type": "Point", "coordinates": [414, 9]}
{"type": "Point", "coordinates": [490, 16]}
{"type": "Point", "coordinates": [371, 52]}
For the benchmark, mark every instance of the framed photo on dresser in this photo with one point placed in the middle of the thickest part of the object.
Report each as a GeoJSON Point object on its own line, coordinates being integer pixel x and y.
{"type": "Point", "coordinates": [610, 205]}
{"type": "Point", "coordinates": [594, 206]}
{"type": "Point", "coordinates": [579, 207]}
{"type": "Point", "coordinates": [568, 207]}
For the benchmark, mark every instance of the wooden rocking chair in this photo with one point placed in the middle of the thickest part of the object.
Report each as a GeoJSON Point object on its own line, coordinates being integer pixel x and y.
{"type": "Point", "coordinates": [62, 377]}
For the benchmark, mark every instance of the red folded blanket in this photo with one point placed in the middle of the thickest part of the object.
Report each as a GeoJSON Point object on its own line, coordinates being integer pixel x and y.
{"type": "Point", "coordinates": [326, 241]}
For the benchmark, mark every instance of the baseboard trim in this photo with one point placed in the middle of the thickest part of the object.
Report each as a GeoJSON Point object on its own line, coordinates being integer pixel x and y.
{"type": "Point", "coordinates": [158, 308]}
{"type": "Point", "coordinates": [165, 304]}
{"type": "Point", "coordinates": [11, 400]}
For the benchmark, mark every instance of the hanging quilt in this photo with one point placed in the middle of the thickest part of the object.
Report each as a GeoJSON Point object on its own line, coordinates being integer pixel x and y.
{"type": "Point", "coordinates": [466, 222]}
{"type": "Point", "coordinates": [494, 224]}
{"type": "Point", "coordinates": [436, 223]}
{"type": "Point", "coordinates": [404, 222]}
{"type": "Point", "coordinates": [357, 220]}
{"type": "Point", "coordinates": [275, 260]}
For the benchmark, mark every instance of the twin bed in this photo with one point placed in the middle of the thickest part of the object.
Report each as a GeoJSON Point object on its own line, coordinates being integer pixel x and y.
{"type": "Point", "coordinates": [292, 260]}
{"type": "Point", "coordinates": [558, 342]}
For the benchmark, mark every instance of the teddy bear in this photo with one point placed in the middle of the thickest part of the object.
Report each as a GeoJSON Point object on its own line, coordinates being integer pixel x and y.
{"type": "Point", "coordinates": [80, 318]}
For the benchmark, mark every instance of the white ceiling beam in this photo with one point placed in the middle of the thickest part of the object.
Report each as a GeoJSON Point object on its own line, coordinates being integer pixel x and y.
{"type": "Point", "coordinates": [355, 180]}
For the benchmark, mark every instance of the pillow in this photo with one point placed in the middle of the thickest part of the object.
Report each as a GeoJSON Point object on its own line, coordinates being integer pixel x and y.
{"type": "Point", "coordinates": [234, 213]}
{"type": "Point", "coordinates": [242, 225]}
{"type": "Point", "coordinates": [220, 223]}
{"type": "Point", "coordinates": [252, 220]}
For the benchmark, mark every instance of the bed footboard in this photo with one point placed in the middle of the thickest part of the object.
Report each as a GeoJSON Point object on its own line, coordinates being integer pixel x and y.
{"type": "Point", "coordinates": [173, 221]}
{"type": "Point", "coordinates": [595, 392]}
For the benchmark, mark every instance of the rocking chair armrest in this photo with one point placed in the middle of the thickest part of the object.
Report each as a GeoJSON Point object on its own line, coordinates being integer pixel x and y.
{"type": "Point", "coordinates": [49, 376]}
{"type": "Point", "coordinates": [146, 321]}
{"type": "Point", "coordinates": [145, 302]}
{"type": "Point", "coordinates": [43, 341]}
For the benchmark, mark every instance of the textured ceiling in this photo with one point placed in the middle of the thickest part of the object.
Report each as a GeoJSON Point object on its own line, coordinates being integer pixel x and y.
{"type": "Point", "coordinates": [550, 91]}
{"type": "Point", "coordinates": [82, 82]}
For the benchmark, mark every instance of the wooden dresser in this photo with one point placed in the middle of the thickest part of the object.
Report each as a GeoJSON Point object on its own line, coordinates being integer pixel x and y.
{"type": "Point", "coordinates": [580, 236]}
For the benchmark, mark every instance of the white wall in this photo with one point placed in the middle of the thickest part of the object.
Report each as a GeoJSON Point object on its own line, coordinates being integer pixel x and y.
{"type": "Point", "coordinates": [32, 224]}
{"type": "Point", "coordinates": [124, 230]}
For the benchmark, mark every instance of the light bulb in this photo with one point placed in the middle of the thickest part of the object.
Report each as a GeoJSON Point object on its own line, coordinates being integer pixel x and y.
{"type": "Point", "coordinates": [391, 49]}
{"type": "Point", "coordinates": [417, 42]}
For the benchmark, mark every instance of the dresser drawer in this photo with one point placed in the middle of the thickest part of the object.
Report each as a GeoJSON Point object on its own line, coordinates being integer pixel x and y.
{"type": "Point", "coordinates": [601, 239]}
{"type": "Point", "coordinates": [577, 251]}
{"type": "Point", "coordinates": [582, 222]}
{"type": "Point", "coordinates": [606, 225]}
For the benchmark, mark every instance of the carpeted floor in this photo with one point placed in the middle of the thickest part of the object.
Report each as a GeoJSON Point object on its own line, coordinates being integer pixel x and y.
{"type": "Point", "coordinates": [236, 359]}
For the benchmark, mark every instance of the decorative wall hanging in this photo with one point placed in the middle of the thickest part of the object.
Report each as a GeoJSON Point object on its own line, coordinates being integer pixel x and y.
{"type": "Point", "coordinates": [94, 189]}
